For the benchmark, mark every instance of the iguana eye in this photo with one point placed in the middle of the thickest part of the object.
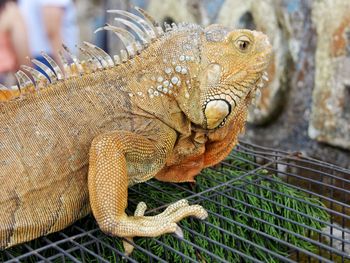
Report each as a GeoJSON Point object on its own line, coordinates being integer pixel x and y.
{"type": "Point", "coordinates": [242, 43]}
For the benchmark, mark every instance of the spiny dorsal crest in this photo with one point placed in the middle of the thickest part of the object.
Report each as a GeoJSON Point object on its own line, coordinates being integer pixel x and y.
{"type": "Point", "coordinates": [145, 28]}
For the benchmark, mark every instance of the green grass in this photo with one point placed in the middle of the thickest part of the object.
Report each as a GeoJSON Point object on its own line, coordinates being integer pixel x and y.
{"type": "Point", "coordinates": [239, 216]}
{"type": "Point", "coordinates": [238, 220]}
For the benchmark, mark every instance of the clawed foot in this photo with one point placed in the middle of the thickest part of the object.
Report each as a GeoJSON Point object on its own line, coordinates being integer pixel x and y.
{"type": "Point", "coordinates": [163, 223]}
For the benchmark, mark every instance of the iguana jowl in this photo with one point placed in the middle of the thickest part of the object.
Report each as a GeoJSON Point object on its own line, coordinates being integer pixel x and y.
{"type": "Point", "coordinates": [166, 108]}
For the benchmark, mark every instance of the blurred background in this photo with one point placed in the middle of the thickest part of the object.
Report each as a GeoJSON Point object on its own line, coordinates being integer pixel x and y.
{"type": "Point", "coordinates": [306, 105]}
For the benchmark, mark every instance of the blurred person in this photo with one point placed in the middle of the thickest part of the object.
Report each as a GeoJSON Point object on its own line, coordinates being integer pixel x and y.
{"type": "Point", "coordinates": [50, 23]}
{"type": "Point", "coordinates": [14, 47]}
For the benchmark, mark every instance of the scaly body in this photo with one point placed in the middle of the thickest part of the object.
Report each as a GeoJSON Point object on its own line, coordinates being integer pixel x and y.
{"type": "Point", "coordinates": [168, 112]}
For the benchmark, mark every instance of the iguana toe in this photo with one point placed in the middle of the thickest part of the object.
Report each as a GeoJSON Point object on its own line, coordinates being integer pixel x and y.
{"type": "Point", "coordinates": [163, 223]}
{"type": "Point", "coordinates": [140, 209]}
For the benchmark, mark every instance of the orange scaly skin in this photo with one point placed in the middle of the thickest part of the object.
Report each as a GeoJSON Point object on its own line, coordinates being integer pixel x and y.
{"type": "Point", "coordinates": [77, 144]}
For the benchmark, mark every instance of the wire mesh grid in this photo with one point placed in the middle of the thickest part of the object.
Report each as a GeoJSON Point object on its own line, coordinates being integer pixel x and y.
{"type": "Point", "coordinates": [269, 209]}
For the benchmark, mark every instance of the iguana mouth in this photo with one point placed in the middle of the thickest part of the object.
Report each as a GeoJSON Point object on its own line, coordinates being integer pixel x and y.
{"type": "Point", "coordinates": [216, 112]}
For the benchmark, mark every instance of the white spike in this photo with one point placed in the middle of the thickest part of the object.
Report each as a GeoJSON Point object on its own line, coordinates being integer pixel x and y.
{"type": "Point", "coordinates": [144, 37]}
{"type": "Point", "coordinates": [74, 58]}
{"type": "Point", "coordinates": [52, 76]}
{"type": "Point", "coordinates": [138, 46]}
{"type": "Point", "coordinates": [261, 84]}
{"type": "Point", "coordinates": [183, 25]}
{"type": "Point", "coordinates": [258, 94]}
{"type": "Point", "coordinates": [91, 59]}
{"type": "Point", "coordinates": [96, 58]}
{"type": "Point", "coordinates": [40, 80]}
{"type": "Point", "coordinates": [23, 80]}
{"type": "Point", "coordinates": [99, 55]}
{"type": "Point", "coordinates": [125, 36]}
{"type": "Point", "coordinates": [254, 102]}
{"type": "Point", "coordinates": [54, 65]}
{"type": "Point", "coordinates": [104, 54]}
{"type": "Point", "coordinates": [116, 59]}
{"type": "Point", "coordinates": [88, 64]}
{"type": "Point", "coordinates": [123, 55]}
{"type": "Point", "coordinates": [157, 29]}
{"type": "Point", "coordinates": [167, 27]}
{"type": "Point", "coordinates": [2, 87]}
{"type": "Point", "coordinates": [66, 67]}
{"type": "Point", "coordinates": [148, 27]}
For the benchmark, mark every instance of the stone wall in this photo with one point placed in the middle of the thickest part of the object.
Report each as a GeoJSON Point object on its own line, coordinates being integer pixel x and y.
{"type": "Point", "coordinates": [306, 106]}
{"type": "Point", "coordinates": [330, 118]}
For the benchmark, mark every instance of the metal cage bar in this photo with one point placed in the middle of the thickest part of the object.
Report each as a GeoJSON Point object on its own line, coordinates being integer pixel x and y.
{"type": "Point", "coordinates": [259, 168]}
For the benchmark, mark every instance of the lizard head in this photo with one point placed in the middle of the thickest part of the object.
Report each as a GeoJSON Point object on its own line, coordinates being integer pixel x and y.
{"type": "Point", "coordinates": [233, 66]}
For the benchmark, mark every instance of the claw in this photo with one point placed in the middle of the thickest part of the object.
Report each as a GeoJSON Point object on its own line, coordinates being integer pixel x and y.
{"type": "Point", "coordinates": [128, 247]}
{"type": "Point", "coordinates": [179, 233]}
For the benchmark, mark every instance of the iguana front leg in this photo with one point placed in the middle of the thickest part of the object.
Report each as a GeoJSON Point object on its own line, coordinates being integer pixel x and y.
{"type": "Point", "coordinates": [118, 159]}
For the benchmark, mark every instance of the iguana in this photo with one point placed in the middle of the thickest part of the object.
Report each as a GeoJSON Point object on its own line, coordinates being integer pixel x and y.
{"type": "Point", "coordinates": [171, 104]}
